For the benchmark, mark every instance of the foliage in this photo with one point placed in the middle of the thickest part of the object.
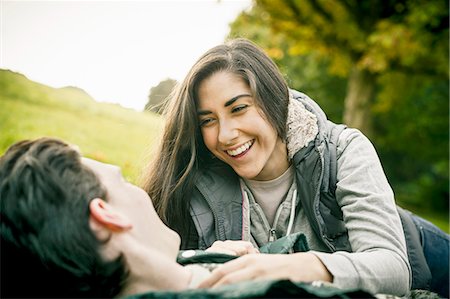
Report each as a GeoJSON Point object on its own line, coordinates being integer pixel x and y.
{"type": "Point", "coordinates": [402, 47]}
{"type": "Point", "coordinates": [158, 95]}
{"type": "Point", "coordinates": [412, 119]}
{"type": "Point", "coordinates": [374, 35]}
{"type": "Point", "coordinates": [105, 132]}
{"type": "Point", "coordinates": [302, 72]}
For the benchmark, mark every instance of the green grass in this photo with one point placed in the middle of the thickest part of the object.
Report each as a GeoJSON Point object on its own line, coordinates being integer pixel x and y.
{"type": "Point", "coordinates": [105, 132]}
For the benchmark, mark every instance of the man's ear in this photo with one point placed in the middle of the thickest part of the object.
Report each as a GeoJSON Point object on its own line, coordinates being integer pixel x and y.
{"type": "Point", "coordinates": [105, 215]}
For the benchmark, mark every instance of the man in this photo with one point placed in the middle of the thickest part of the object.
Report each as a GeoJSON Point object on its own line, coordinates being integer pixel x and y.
{"type": "Point", "coordinates": [73, 227]}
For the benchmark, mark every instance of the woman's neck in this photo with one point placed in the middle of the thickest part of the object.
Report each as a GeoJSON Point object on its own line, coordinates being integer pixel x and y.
{"type": "Point", "coordinates": [277, 164]}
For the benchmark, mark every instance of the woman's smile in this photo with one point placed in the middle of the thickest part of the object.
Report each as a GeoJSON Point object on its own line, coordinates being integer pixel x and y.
{"type": "Point", "coordinates": [241, 150]}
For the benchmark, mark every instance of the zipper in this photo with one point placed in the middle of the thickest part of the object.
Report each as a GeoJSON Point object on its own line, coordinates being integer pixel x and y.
{"type": "Point", "coordinates": [272, 230]}
{"type": "Point", "coordinates": [272, 235]}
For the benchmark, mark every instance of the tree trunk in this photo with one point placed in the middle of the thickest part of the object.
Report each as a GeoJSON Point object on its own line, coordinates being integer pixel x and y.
{"type": "Point", "coordinates": [359, 99]}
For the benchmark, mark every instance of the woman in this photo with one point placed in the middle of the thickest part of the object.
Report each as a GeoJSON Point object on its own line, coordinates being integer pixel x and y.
{"type": "Point", "coordinates": [245, 158]}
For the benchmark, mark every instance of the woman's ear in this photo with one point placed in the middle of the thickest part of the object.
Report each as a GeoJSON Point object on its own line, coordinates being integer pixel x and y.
{"type": "Point", "coordinates": [106, 216]}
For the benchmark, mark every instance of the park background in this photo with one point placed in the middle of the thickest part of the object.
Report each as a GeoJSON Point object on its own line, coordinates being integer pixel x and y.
{"type": "Point", "coordinates": [380, 66]}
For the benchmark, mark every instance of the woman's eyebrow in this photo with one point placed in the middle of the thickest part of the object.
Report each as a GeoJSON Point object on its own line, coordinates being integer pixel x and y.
{"type": "Point", "coordinates": [227, 103]}
{"type": "Point", "coordinates": [203, 112]}
{"type": "Point", "coordinates": [234, 99]}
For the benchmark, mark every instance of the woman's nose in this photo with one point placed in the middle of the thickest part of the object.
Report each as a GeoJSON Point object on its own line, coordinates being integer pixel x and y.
{"type": "Point", "coordinates": [228, 132]}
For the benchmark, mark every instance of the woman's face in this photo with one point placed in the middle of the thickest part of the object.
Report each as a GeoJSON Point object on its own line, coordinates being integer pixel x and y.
{"type": "Point", "coordinates": [235, 130]}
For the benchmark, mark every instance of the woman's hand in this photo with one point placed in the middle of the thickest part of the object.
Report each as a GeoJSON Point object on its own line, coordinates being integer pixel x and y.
{"type": "Point", "coordinates": [301, 266]}
{"type": "Point", "coordinates": [238, 248]}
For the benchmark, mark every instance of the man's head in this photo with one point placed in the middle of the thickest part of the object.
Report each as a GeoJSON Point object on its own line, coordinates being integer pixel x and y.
{"type": "Point", "coordinates": [68, 223]}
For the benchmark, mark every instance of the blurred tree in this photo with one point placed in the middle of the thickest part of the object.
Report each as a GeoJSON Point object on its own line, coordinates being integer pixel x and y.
{"type": "Point", "coordinates": [359, 40]}
{"type": "Point", "coordinates": [302, 72]}
{"type": "Point", "coordinates": [158, 94]}
{"type": "Point", "coordinates": [412, 118]}
{"type": "Point", "coordinates": [380, 66]}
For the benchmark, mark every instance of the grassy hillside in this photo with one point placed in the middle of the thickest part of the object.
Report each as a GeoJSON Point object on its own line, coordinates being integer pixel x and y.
{"type": "Point", "coordinates": [106, 132]}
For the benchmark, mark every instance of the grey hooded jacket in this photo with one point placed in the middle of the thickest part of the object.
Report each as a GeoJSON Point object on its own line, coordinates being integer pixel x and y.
{"type": "Point", "coordinates": [216, 203]}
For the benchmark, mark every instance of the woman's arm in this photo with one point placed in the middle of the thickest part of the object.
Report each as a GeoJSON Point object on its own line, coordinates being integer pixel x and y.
{"type": "Point", "coordinates": [379, 261]}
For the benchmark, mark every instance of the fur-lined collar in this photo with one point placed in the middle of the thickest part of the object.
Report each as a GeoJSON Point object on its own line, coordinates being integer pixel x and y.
{"type": "Point", "coordinates": [302, 127]}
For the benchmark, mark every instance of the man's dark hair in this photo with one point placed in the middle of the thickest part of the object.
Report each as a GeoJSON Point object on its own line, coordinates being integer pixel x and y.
{"type": "Point", "coordinates": [47, 246]}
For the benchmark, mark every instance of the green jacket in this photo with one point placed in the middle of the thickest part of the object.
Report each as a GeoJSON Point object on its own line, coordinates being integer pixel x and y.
{"type": "Point", "coordinates": [260, 289]}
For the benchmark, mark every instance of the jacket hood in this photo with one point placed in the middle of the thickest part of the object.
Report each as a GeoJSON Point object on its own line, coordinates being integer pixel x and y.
{"type": "Point", "coordinates": [304, 122]}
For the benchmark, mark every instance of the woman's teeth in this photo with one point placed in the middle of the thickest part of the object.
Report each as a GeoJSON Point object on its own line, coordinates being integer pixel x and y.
{"type": "Point", "coordinates": [240, 149]}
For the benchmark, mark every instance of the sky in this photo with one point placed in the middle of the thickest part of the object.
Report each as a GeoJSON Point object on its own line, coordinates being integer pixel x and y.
{"type": "Point", "coordinates": [114, 50]}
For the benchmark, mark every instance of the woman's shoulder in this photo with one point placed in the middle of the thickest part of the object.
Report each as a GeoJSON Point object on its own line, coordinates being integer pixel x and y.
{"type": "Point", "coordinates": [351, 137]}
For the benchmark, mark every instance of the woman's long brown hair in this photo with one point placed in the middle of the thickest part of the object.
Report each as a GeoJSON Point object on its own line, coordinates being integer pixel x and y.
{"type": "Point", "coordinates": [182, 154]}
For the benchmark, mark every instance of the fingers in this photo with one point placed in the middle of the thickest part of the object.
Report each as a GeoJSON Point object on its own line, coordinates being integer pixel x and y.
{"type": "Point", "coordinates": [237, 248]}
{"type": "Point", "coordinates": [296, 267]}
{"type": "Point", "coordinates": [219, 274]}
{"type": "Point", "coordinates": [222, 250]}
{"type": "Point", "coordinates": [248, 267]}
{"type": "Point", "coordinates": [239, 275]}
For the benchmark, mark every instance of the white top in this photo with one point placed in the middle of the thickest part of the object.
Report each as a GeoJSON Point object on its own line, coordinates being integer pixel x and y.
{"type": "Point", "coordinates": [269, 194]}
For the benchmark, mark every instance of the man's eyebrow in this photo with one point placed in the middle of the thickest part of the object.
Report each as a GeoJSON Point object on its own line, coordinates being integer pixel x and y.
{"type": "Point", "coordinates": [227, 103]}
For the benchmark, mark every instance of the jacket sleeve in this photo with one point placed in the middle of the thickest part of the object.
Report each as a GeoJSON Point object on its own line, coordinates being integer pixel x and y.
{"type": "Point", "coordinates": [379, 262]}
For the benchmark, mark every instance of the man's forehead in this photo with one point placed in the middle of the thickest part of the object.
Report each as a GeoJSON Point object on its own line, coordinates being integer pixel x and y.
{"type": "Point", "coordinates": [89, 162]}
{"type": "Point", "coordinates": [94, 165]}
{"type": "Point", "coordinates": [101, 168]}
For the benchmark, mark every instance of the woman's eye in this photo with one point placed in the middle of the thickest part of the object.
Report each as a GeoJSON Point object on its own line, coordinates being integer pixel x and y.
{"type": "Point", "coordinates": [205, 122]}
{"type": "Point", "coordinates": [238, 108]}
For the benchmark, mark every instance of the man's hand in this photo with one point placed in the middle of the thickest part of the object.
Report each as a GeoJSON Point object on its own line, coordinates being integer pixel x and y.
{"type": "Point", "coordinates": [238, 248]}
{"type": "Point", "coordinates": [296, 267]}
